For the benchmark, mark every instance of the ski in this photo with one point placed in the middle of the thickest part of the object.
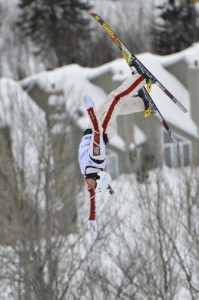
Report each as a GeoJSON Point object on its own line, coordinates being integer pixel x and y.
{"type": "Point", "coordinates": [133, 61]}
{"type": "Point", "coordinates": [153, 108]}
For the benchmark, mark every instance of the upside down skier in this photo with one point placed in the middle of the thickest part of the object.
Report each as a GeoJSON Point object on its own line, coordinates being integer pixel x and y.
{"type": "Point", "coordinates": [92, 149]}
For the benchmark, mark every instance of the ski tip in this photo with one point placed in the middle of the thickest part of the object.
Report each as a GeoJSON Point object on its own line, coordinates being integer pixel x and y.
{"type": "Point", "coordinates": [182, 107]}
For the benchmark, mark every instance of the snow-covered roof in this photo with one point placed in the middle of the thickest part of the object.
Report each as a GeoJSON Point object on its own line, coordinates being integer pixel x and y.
{"type": "Point", "coordinates": [189, 55]}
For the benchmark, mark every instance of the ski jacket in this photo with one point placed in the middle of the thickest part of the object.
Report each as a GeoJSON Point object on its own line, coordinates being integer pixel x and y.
{"type": "Point", "coordinates": [85, 160]}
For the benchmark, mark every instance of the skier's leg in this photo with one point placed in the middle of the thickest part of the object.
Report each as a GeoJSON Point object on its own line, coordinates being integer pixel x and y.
{"type": "Point", "coordinates": [133, 105]}
{"type": "Point", "coordinates": [118, 99]}
{"type": "Point", "coordinates": [97, 147]}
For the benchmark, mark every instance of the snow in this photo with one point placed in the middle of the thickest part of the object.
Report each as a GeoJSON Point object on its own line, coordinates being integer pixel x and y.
{"type": "Point", "coordinates": [139, 136]}
{"type": "Point", "coordinates": [189, 55]}
{"type": "Point", "coordinates": [118, 143]}
{"type": "Point", "coordinates": [117, 67]}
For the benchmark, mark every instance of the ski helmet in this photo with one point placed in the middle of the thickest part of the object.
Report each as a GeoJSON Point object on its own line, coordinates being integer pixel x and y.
{"type": "Point", "coordinates": [103, 181]}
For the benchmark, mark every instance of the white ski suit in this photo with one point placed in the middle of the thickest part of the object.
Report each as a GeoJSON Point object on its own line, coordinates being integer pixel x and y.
{"type": "Point", "coordinates": [92, 152]}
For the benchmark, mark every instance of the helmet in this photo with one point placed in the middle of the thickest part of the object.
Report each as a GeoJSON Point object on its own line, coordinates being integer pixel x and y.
{"type": "Point", "coordinates": [103, 182]}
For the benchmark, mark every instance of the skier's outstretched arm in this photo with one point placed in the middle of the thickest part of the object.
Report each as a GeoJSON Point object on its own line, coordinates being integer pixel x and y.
{"type": "Point", "coordinates": [92, 223]}
{"type": "Point", "coordinates": [97, 149]}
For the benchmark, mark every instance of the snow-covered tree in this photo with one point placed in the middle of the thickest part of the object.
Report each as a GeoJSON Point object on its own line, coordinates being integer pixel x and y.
{"type": "Point", "coordinates": [59, 29]}
{"type": "Point", "coordinates": [174, 27]}
{"type": "Point", "coordinates": [130, 20]}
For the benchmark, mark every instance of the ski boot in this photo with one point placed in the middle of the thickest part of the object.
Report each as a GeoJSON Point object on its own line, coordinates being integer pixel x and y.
{"type": "Point", "coordinates": [141, 71]}
{"type": "Point", "coordinates": [148, 107]}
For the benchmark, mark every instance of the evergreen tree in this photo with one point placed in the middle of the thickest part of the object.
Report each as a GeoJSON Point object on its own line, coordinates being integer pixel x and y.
{"type": "Point", "coordinates": [59, 28]}
{"type": "Point", "coordinates": [190, 29]}
{"type": "Point", "coordinates": [175, 27]}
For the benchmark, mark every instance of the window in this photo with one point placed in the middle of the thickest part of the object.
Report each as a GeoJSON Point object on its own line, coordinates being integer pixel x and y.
{"type": "Point", "coordinates": [174, 156]}
{"type": "Point", "coordinates": [112, 165]}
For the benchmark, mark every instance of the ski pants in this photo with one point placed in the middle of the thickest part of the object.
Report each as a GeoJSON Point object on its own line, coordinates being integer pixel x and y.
{"type": "Point", "coordinates": [119, 102]}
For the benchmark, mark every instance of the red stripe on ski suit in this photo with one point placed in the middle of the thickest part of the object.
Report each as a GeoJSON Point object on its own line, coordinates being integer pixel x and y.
{"type": "Point", "coordinates": [94, 121]}
{"type": "Point", "coordinates": [92, 205]}
{"type": "Point", "coordinates": [117, 99]}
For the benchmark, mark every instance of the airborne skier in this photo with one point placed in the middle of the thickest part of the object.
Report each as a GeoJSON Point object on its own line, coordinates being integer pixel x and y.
{"type": "Point", "coordinates": [92, 149]}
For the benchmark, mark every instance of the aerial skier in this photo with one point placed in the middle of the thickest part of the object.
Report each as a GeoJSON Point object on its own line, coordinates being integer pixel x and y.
{"type": "Point", "coordinates": [126, 99]}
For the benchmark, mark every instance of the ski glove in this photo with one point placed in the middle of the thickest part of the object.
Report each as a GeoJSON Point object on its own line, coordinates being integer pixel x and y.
{"type": "Point", "coordinates": [88, 102]}
{"type": "Point", "coordinates": [92, 224]}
